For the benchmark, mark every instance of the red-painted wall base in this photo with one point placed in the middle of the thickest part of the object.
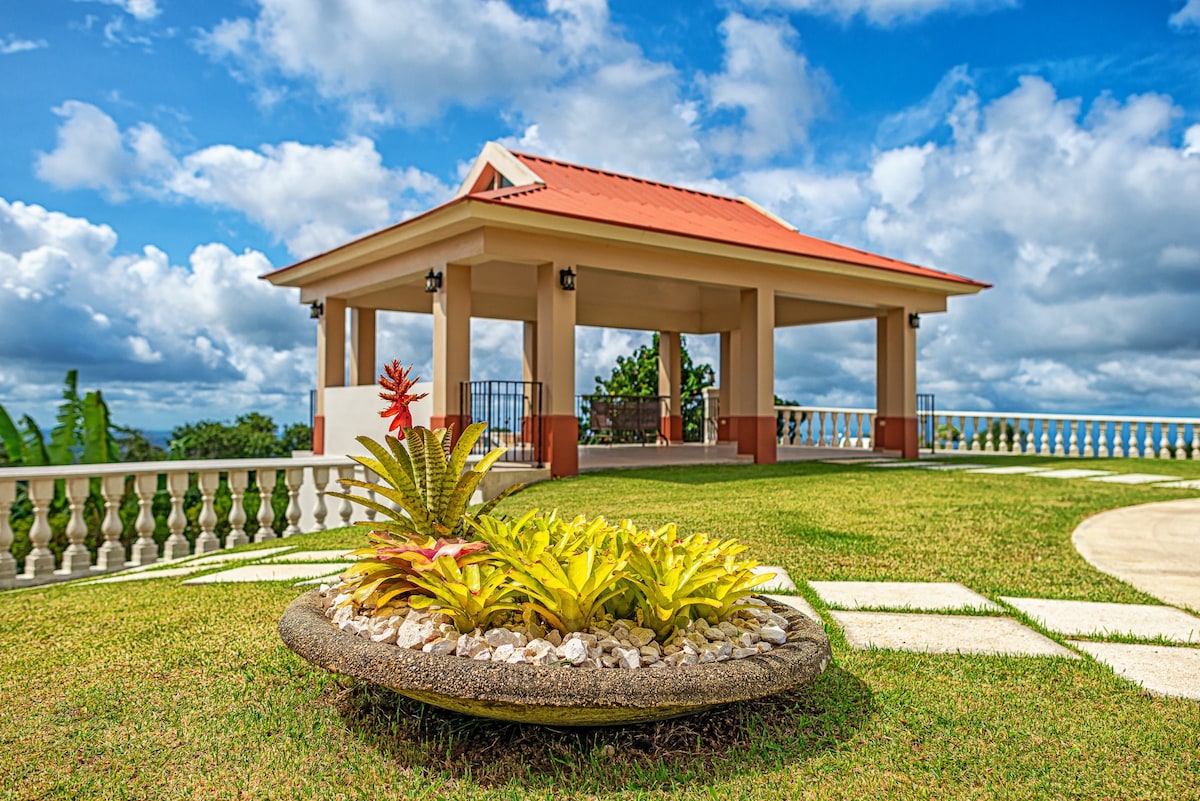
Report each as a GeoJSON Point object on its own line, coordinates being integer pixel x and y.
{"type": "Point", "coordinates": [445, 421]}
{"type": "Point", "coordinates": [897, 434]}
{"type": "Point", "coordinates": [560, 444]}
{"type": "Point", "coordinates": [672, 427]}
{"type": "Point", "coordinates": [756, 437]}
{"type": "Point", "coordinates": [318, 443]}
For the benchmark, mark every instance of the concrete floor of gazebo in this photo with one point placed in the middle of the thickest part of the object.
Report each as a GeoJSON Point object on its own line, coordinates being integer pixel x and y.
{"type": "Point", "coordinates": [607, 457]}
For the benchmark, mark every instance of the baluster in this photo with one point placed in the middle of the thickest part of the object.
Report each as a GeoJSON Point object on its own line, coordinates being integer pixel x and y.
{"type": "Point", "coordinates": [989, 444]}
{"type": "Point", "coordinates": [1088, 442]}
{"type": "Point", "coordinates": [836, 438]}
{"type": "Point", "coordinates": [40, 561]}
{"type": "Point", "coordinates": [1180, 446]}
{"type": "Point", "coordinates": [1164, 450]}
{"type": "Point", "coordinates": [320, 511]}
{"type": "Point", "coordinates": [369, 477]}
{"type": "Point", "coordinates": [206, 541]}
{"type": "Point", "coordinates": [8, 565]}
{"type": "Point", "coordinates": [176, 546]}
{"type": "Point", "coordinates": [76, 558]}
{"type": "Point", "coordinates": [1030, 442]}
{"type": "Point", "coordinates": [1073, 437]}
{"type": "Point", "coordinates": [820, 429]}
{"type": "Point", "coordinates": [111, 555]}
{"type": "Point", "coordinates": [858, 435]}
{"type": "Point", "coordinates": [1196, 441]}
{"type": "Point", "coordinates": [237, 480]}
{"type": "Point", "coordinates": [809, 428]}
{"type": "Point", "coordinates": [293, 477]}
{"type": "Point", "coordinates": [345, 508]}
{"type": "Point", "coordinates": [1132, 448]}
{"type": "Point", "coordinates": [265, 479]}
{"type": "Point", "coordinates": [1058, 449]}
{"type": "Point", "coordinates": [145, 549]}
{"type": "Point", "coordinates": [1102, 448]}
{"type": "Point", "coordinates": [975, 443]}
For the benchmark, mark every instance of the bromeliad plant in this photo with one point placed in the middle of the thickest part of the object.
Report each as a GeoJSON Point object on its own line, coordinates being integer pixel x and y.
{"type": "Point", "coordinates": [569, 574]}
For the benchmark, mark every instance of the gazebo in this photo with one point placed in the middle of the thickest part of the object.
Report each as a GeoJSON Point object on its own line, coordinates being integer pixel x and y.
{"type": "Point", "coordinates": [555, 245]}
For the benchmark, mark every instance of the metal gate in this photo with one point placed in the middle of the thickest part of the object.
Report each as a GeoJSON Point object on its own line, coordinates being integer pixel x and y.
{"type": "Point", "coordinates": [926, 422]}
{"type": "Point", "coordinates": [513, 412]}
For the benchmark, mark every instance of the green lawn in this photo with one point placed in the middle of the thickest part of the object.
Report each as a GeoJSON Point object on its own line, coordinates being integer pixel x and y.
{"type": "Point", "coordinates": [151, 690]}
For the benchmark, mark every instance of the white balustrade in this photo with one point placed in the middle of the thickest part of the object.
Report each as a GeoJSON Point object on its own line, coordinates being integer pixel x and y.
{"type": "Point", "coordinates": [111, 485]}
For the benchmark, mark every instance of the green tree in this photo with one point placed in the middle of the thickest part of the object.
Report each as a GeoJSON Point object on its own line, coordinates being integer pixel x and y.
{"type": "Point", "coordinates": [637, 374]}
{"type": "Point", "coordinates": [251, 436]}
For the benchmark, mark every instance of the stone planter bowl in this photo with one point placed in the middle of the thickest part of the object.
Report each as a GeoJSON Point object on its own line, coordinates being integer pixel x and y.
{"type": "Point", "coordinates": [556, 694]}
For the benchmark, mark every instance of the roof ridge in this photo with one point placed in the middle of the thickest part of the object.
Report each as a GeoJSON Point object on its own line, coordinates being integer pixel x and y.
{"type": "Point", "coordinates": [628, 177]}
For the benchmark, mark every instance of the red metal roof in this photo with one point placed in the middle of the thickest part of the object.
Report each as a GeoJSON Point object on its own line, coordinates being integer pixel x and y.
{"type": "Point", "coordinates": [590, 194]}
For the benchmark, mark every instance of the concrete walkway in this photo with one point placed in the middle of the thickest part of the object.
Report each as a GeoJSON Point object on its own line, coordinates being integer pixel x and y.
{"type": "Point", "coordinates": [1155, 547]}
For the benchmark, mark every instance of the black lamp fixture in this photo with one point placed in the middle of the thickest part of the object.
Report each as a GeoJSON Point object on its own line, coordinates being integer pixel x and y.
{"type": "Point", "coordinates": [433, 281]}
{"type": "Point", "coordinates": [914, 320]}
{"type": "Point", "coordinates": [316, 310]}
{"type": "Point", "coordinates": [566, 279]}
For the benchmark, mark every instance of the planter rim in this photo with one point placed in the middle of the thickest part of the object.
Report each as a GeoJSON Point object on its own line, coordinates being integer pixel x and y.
{"type": "Point", "coordinates": [557, 694]}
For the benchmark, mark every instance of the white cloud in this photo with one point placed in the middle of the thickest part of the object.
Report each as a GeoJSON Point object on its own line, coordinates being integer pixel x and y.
{"type": "Point", "coordinates": [768, 84]}
{"type": "Point", "coordinates": [141, 10]}
{"type": "Point", "coordinates": [1189, 15]}
{"type": "Point", "coordinates": [208, 337]}
{"type": "Point", "coordinates": [1083, 218]}
{"type": "Point", "coordinates": [311, 197]}
{"type": "Point", "coordinates": [416, 57]}
{"type": "Point", "coordinates": [885, 13]}
{"type": "Point", "coordinates": [10, 44]}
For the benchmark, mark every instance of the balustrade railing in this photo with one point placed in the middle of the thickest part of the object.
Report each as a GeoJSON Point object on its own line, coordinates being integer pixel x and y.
{"type": "Point", "coordinates": [79, 520]}
{"type": "Point", "coordinates": [824, 426]}
{"type": "Point", "coordinates": [1102, 436]}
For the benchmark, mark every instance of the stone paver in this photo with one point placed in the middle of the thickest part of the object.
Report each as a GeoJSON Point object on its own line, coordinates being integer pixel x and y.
{"type": "Point", "coordinates": [1160, 669]}
{"type": "Point", "coordinates": [1012, 470]}
{"type": "Point", "coordinates": [270, 573]}
{"type": "Point", "coordinates": [955, 466]}
{"type": "Point", "coordinates": [858, 460]}
{"type": "Point", "coordinates": [221, 558]}
{"type": "Point", "coordinates": [782, 581]}
{"type": "Point", "coordinates": [798, 603]}
{"type": "Point", "coordinates": [1155, 547]}
{"type": "Point", "coordinates": [170, 572]}
{"type": "Point", "coordinates": [1133, 478]}
{"type": "Point", "coordinates": [945, 634]}
{"type": "Point", "coordinates": [900, 595]}
{"type": "Point", "coordinates": [1088, 618]}
{"type": "Point", "coordinates": [1071, 473]}
{"type": "Point", "coordinates": [918, 465]}
{"type": "Point", "coordinates": [1192, 484]}
{"type": "Point", "coordinates": [316, 556]}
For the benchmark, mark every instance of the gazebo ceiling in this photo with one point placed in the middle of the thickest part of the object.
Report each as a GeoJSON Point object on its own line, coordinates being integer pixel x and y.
{"type": "Point", "coordinates": [647, 255]}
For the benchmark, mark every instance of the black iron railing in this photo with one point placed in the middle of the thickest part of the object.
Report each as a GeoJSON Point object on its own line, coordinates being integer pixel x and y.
{"type": "Point", "coordinates": [513, 412]}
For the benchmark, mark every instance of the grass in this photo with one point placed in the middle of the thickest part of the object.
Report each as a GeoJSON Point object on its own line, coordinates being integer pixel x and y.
{"type": "Point", "coordinates": [153, 690]}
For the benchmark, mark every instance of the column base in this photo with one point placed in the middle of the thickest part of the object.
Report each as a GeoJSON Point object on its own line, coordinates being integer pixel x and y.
{"type": "Point", "coordinates": [756, 437]}
{"type": "Point", "coordinates": [560, 444]}
{"type": "Point", "coordinates": [671, 427]}
{"type": "Point", "coordinates": [318, 435]}
{"type": "Point", "coordinates": [897, 434]}
{"type": "Point", "coordinates": [727, 429]}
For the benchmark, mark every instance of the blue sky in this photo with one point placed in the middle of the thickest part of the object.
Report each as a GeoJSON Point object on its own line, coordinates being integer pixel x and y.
{"type": "Point", "coordinates": [159, 155]}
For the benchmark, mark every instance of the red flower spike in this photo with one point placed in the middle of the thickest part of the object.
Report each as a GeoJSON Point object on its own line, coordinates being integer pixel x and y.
{"type": "Point", "coordinates": [396, 382]}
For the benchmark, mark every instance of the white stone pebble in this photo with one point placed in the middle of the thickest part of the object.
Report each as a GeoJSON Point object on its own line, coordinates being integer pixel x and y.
{"type": "Point", "coordinates": [751, 629]}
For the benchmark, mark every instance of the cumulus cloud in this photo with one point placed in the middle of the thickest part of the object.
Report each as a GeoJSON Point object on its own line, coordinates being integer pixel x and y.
{"type": "Point", "coordinates": [768, 84]}
{"type": "Point", "coordinates": [141, 10]}
{"type": "Point", "coordinates": [311, 197]}
{"type": "Point", "coordinates": [10, 44]}
{"type": "Point", "coordinates": [208, 335]}
{"type": "Point", "coordinates": [1082, 217]}
{"type": "Point", "coordinates": [885, 13]}
{"type": "Point", "coordinates": [1188, 16]}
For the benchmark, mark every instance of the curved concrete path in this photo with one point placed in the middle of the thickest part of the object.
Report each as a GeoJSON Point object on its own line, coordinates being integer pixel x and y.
{"type": "Point", "coordinates": [1155, 547]}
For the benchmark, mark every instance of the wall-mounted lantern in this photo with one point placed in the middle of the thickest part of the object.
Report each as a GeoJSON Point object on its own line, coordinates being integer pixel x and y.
{"type": "Point", "coordinates": [566, 279]}
{"type": "Point", "coordinates": [914, 320]}
{"type": "Point", "coordinates": [433, 281]}
{"type": "Point", "coordinates": [316, 310]}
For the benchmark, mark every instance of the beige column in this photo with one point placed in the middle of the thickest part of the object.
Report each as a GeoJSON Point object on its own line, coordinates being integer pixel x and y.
{"type": "Point", "coordinates": [896, 383]}
{"type": "Point", "coordinates": [670, 380]}
{"type": "Point", "coordinates": [727, 388]}
{"type": "Point", "coordinates": [555, 359]}
{"type": "Point", "coordinates": [755, 406]}
{"type": "Point", "coordinates": [362, 346]}
{"type": "Point", "coordinates": [331, 361]}
{"type": "Point", "coordinates": [451, 346]}
{"type": "Point", "coordinates": [530, 417]}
